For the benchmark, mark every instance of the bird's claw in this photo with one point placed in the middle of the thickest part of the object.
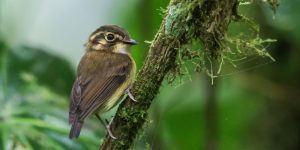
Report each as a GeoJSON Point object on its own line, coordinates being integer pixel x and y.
{"type": "Point", "coordinates": [127, 91]}
{"type": "Point", "coordinates": [110, 133]}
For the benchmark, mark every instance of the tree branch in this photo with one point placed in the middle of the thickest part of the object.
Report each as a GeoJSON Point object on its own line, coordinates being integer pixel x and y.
{"type": "Point", "coordinates": [205, 20]}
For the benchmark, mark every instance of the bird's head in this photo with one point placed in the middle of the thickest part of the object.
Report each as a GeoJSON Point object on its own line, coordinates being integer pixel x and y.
{"type": "Point", "coordinates": [110, 38]}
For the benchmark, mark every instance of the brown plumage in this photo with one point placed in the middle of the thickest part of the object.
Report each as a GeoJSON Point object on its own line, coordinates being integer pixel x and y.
{"type": "Point", "coordinates": [103, 74]}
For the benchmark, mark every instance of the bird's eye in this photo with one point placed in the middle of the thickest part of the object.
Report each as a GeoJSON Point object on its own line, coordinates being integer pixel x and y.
{"type": "Point", "coordinates": [110, 37]}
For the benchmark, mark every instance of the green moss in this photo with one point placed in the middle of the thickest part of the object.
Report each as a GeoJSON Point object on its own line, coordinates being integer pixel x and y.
{"type": "Point", "coordinates": [179, 20]}
{"type": "Point", "coordinates": [187, 22]}
{"type": "Point", "coordinates": [171, 26]}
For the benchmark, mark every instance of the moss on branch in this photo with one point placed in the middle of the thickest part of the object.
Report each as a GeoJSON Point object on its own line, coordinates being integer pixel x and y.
{"type": "Point", "coordinates": [185, 20]}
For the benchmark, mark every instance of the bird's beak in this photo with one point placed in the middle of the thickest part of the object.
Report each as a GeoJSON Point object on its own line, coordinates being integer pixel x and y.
{"type": "Point", "coordinates": [130, 42]}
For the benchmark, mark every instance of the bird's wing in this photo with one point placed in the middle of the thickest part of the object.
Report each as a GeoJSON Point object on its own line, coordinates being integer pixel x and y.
{"type": "Point", "coordinates": [95, 85]}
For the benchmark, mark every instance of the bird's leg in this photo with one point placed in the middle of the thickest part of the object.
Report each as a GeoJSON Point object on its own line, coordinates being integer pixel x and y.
{"type": "Point", "coordinates": [107, 126]}
{"type": "Point", "coordinates": [127, 91]}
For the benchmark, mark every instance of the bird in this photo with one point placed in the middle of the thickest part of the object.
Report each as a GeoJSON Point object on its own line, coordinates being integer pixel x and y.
{"type": "Point", "coordinates": [104, 74]}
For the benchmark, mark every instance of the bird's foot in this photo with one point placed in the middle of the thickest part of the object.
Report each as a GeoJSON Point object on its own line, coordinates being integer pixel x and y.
{"type": "Point", "coordinates": [109, 132]}
{"type": "Point", "coordinates": [107, 125]}
{"type": "Point", "coordinates": [127, 91]}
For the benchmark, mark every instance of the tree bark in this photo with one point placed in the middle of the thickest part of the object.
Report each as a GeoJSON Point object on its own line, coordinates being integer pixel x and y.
{"type": "Point", "coordinates": [185, 20]}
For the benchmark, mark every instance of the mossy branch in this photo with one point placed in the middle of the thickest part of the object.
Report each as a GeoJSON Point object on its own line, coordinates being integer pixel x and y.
{"type": "Point", "coordinates": [185, 20]}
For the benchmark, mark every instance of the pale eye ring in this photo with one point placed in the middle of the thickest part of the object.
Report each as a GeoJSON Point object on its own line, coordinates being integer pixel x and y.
{"type": "Point", "coordinates": [110, 37]}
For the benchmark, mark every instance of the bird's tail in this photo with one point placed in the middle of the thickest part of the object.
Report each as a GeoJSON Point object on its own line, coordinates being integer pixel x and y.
{"type": "Point", "coordinates": [75, 129]}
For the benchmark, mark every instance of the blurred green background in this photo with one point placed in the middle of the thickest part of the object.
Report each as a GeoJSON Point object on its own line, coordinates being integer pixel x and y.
{"type": "Point", "coordinates": [254, 107]}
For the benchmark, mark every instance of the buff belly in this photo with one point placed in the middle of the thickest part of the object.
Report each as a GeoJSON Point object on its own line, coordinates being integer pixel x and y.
{"type": "Point", "coordinates": [115, 98]}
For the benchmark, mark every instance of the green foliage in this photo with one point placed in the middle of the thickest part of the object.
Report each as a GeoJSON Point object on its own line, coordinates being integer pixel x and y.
{"type": "Point", "coordinates": [33, 110]}
{"type": "Point", "coordinates": [48, 69]}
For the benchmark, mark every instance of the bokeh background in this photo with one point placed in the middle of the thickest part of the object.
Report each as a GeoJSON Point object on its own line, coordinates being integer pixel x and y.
{"type": "Point", "coordinates": [255, 106]}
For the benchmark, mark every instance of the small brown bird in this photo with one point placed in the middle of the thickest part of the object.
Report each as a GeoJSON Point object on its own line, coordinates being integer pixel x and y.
{"type": "Point", "coordinates": [104, 74]}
